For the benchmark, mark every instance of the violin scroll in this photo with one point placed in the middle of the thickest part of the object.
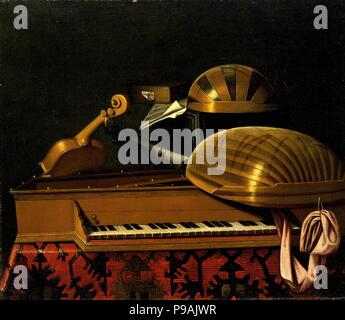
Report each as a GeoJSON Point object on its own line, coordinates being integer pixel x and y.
{"type": "Point", "coordinates": [119, 102]}
{"type": "Point", "coordinates": [82, 153]}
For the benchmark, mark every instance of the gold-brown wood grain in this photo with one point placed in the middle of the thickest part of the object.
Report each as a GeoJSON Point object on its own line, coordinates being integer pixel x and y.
{"type": "Point", "coordinates": [81, 153]}
{"type": "Point", "coordinates": [231, 88]}
{"type": "Point", "coordinates": [270, 167]}
{"type": "Point", "coordinates": [59, 209]}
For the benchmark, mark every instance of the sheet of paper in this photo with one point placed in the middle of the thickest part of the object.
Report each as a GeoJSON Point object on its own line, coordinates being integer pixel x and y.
{"type": "Point", "coordinates": [159, 112]}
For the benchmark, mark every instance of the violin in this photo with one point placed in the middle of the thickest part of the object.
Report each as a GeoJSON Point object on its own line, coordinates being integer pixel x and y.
{"type": "Point", "coordinates": [82, 153]}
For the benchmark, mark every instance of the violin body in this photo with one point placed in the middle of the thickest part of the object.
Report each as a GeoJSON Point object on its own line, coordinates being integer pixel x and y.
{"type": "Point", "coordinates": [81, 153]}
{"type": "Point", "coordinates": [67, 157]}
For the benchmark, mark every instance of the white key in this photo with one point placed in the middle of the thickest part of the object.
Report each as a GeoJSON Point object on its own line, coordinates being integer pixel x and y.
{"type": "Point", "coordinates": [294, 227]}
{"type": "Point", "coordinates": [266, 227]}
{"type": "Point", "coordinates": [140, 232]}
{"type": "Point", "coordinates": [238, 227]}
{"type": "Point", "coordinates": [251, 229]}
{"type": "Point", "coordinates": [229, 229]}
{"type": "Point", "coordinates": [121, 231]}
{"type": "Point", "coordinates": [203, 228]}
{"type": "Point", "coordinates": [213, 230]}
{"type": "Point", "coordinates": [146, 230]}
{"type": "Point", "coordinates": [181, 228]}
{"type": "Point", "coordinates": [164, 232]}
{"type": "Point", "coordinates": [154, 232]}
{"type": "Point", "coordinates": [130, 234]}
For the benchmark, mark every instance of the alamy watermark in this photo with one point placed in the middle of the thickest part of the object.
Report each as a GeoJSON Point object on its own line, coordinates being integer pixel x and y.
{"type": "Point", "coordinates": [21, 19]}
{"type": "Point", "coordinates": [155, 147]}
{"type": "Point", "coordinates": [20, 280]}
{"type": "Point", "coordinates": [320, 277]}
{"type": "Point", "coordinates": [321, 20]}
{"type": "Point", "coordinates": [20, 277]}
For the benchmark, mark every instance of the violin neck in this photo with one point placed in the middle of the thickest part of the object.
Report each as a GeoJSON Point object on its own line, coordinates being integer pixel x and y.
{"type": "Point", "coordinates": [83, 137]}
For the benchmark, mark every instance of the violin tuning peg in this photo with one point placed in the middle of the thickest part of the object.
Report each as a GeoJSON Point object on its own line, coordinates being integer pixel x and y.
{"type": "Point", "coordinates": [111, 111]}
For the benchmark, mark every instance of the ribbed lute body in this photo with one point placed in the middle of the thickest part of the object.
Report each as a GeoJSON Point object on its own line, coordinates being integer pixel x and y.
{"type": "Point", "coordinates": [231, 88]}
{"type": "Point", "coordinates": [260, 158]}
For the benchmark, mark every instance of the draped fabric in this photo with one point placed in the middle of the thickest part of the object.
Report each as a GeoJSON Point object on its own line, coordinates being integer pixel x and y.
{"type": "Point", "coordinates": [320, 237]}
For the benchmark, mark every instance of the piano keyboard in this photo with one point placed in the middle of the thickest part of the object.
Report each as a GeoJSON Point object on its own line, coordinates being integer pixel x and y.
{"type": "Point", "coordinates": [184, 229]}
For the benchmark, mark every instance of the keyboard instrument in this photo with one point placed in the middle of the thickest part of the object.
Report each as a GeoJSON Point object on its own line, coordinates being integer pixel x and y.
{"type": "Point", "coordinates": [137, 210]}
{"type": "Point", "coordinates": [184, 229]}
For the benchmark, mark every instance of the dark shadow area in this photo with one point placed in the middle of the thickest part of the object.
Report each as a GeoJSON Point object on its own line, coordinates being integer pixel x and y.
{"type": "Point", "coordinates": [59, 73]}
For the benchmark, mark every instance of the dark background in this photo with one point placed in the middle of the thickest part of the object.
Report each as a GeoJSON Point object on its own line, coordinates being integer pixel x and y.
{"type": "Point", "coordinates": [58, 74]}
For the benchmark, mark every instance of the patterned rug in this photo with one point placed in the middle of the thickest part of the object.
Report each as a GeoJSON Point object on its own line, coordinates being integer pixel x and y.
{"type": "Point", "coordinates": [62, 271]}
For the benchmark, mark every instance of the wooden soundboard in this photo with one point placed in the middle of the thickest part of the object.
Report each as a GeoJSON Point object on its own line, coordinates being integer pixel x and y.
{"type": "Point", "coordinates": [67, 208]}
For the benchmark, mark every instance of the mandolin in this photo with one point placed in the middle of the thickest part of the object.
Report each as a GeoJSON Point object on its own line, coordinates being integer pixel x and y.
{"type": "Point", "coordinates": [82, 153]}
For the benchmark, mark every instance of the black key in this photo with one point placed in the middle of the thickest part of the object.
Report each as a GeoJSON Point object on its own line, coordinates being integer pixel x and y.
{"type": "Point", "coordinates": [170, 225]}
{"type": "Point", "coordinates": [136, 227]}
{"type": "Point", "coordinates": [217, 224]}
{"type": "Point", "coordinates": [186, 224]}
{"type": "Point", "coordinates": [152, 226]}
{"type": "Point", "coordinates": [193, 225]}
{"type": "Point", "coordinates": [226, 223]}
{"type": "Point", "coordinates": [268, 222]}
{"type": "Point", "coordinates": [111, 228]}
{"type": "Point", "coordinates": [247, 223]}
{"type": "Point", "coordinates": [94, 229]}
{"type": "Point", "coordinates": [209, 224]}
{"type": "Point", "coordinates": [128, 227]}
{"type": "Point", "coordinates": [103, 228]}
{"type": "Point", "coordinates": [189, 225]}
{"type": "Point", "coordinates": [161, 226]}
